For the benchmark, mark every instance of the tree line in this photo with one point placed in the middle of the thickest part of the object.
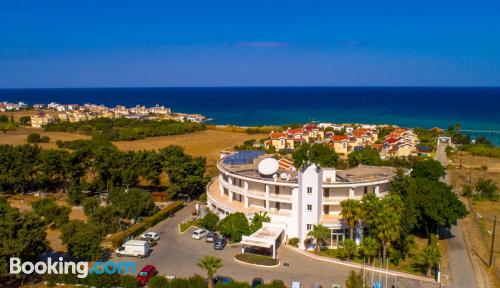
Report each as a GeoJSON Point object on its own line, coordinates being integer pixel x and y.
{"type": "Point", "coordinates": [123, 129]}
{"type": "Point", "coordinates": [98, 167]}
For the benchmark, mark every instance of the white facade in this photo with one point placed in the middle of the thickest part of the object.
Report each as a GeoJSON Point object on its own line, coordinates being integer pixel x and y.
{"type": "Point", "coordinates": [307, 197]}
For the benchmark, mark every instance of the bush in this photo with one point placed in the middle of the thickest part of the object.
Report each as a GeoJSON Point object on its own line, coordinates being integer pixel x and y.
{"type": "Point", "coordinates": [293, 242]}
{"type": "Point", "coordinates": [75, 195]}
{"type": "Point", "coordinates": [158, 282]}
{"type": "Point", "coordinates": [348, 249]}
{"type": "Point", "coordinates": [135, 230]}
{"type": "Point", "coordinates": [36, 138]}
{"type": "Point", "coordinates": [133, 203]}
{"type": "Point", "coordinates": [257, 259]}
{"type": "Point", "coordinates": [210, 221]}
{"type": "Point", "coordinates": [128, 281]}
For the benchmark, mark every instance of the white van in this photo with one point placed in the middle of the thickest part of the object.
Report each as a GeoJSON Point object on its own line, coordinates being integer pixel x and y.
{"type": "Point", "coordinates": [136, 248]}
{"type": "Point", "coordinates": [296, 284]}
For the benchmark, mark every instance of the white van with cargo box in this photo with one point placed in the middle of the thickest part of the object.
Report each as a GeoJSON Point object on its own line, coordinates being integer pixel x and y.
{"type": "Point", "coordinates": [136, 248]}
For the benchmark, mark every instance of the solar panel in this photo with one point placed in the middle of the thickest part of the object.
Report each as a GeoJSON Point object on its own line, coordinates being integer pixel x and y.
{"type": "Point", "coordinates": [242, 157]}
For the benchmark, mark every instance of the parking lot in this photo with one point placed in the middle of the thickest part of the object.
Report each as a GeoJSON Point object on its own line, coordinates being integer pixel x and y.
{"type": "Point", "coordinates": [176, 254]}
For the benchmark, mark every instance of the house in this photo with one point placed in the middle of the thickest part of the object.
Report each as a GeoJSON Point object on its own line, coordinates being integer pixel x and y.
{"type": "Point", "coordinates": [340, 144]}
{"type": "Point", "coordinates": [40, 119]}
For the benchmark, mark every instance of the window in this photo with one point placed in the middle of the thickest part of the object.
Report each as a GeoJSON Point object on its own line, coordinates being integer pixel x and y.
{"type": "Point", "coordinates": [309, 207]}
{"type": "Point", "coordinates": [366, 190]}
{"type": "Point", "coordinates": [309, 190]}
{"type": "Point", "coordinates": [326, 192]}
{"type": "Point", "coordinates": [309, 227]}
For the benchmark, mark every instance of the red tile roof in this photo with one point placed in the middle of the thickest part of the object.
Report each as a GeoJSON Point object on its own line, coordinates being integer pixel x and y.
{"type": "Point", "coordinates": [278, 135]}
{"type": "Point", "coordinates": [339, 138]}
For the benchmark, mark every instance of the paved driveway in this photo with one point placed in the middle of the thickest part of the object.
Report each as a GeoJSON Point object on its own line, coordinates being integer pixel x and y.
{"type": "Point", "coordinates": [177, 254]}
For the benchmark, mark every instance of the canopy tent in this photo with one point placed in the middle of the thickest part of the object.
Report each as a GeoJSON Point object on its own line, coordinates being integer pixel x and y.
{"type": "Point", "coordinates": [269, 236]}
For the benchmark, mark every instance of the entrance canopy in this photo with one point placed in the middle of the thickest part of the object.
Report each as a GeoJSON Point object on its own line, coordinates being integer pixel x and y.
{"type": "Point", "coordinates": [269, 236]}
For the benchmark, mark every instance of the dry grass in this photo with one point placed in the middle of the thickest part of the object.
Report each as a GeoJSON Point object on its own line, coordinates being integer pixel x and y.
{"type": "Point", "coordinates": [19, 136]}
{"type": "Point", "coordinates": [207, 143]}
{"type": "Point", "coordinates": [18, 114]}
{"type": "Point", "coordinates": [478, 225]}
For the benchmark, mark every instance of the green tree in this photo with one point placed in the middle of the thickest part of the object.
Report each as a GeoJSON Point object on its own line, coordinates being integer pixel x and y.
{"type": "Point", "coordinates": [90, 205]}
{"type": "Point", "coordinates": [351, 213]}
{"type": "Point", "coordinates": [25, 120]}
{"type": "Point", "coordinates": [51, 212]}
{"type": "Point", "coordinates": [84, 243]}
{"type": "Point", "coordinates": [22, 235]}
{"type": "Point", "coordinates": [429, 257]}
{"type": "Point", "coordinates": [257, 221]}
{"type": "Point", "coordinates": [4, 118]}
{"type": "Point", "coordinates": [384, 218]}
{"type": "Point", "coordinates": [132, 204]}
{"type": "Point", "coordinates": [355, 280]}
{"type": "Point", "coordinates": [348, 249]}
{"type": "Point", "coordinates": [320, 154]}
{"type": "Point", "coordinates": [211, 264]}
{"type": "Point", "coordinates": [370, 248]}
{"type": "Point", "coordinates": [106, 220]}
{"type": "Point", "coordinates": [430, 169]}
{"type": "Point", "coordinates": [234, 226]}
{"type": "Point", "coordinates": [210, 221]}
{"type": "Point", "coordinates": [320, 233]}
{"type": "Point", "coordinates": [367, 156]}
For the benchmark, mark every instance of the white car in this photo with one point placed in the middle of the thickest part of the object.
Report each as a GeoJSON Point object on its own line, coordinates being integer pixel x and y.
{"type": "Point", "coordinates": [150, 236]}
{"type": "Point", "coordinates": [296, 284]}
{"type": "Point", "coordinates": [199, 234]}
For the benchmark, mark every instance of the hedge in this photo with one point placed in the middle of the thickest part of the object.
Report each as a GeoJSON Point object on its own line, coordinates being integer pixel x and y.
{"type": "Point", "coordinates": [136, 229]}
{"type": "Point", "coordinates": [257, 259]}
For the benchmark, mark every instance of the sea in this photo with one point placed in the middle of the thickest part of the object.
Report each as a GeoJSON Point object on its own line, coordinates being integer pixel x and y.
{"type": "Point", "coordinates": [477, 109]}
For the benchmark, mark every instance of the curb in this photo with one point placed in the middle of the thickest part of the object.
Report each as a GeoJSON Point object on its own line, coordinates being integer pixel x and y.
{"type": "Point", "coordinates": [359, 266]}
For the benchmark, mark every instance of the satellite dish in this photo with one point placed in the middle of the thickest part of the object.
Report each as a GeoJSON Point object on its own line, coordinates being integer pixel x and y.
{"type": "Point", "coordinates": [268, 166]}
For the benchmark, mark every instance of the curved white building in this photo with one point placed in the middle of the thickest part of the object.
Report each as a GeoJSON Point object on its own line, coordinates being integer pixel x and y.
{"type": "Point", "coordinates": [295, 199]}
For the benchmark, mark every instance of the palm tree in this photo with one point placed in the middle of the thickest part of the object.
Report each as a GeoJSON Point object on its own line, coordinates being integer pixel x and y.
{"type": "Point", "coordinates": [257, 221]}
{"type": "Point", "coordinates": [351, 213]}
{"type": "Point", "coordinates": [370, 248]}
{"type": "Point", "coordinates": [429, 257]}
{"type": "Point", "coordinates": [386, 227]}
{"type": "Point", "coordinates": [354, 280]}
{"type": "Point", "coordinates": [320, 233]}
{"type": "Point", "coordinates": [211, 264]}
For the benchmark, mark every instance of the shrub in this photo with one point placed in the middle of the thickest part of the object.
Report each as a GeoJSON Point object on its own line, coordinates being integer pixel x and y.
{"type": "Point", "coordinates": [348, 249]}
{"type": "Point", "coordinates": [36, 138]}
{"type": "Point", "coordinates": [158, 282]}
{"type": "Point", "coordinates": [293, 242]}
{"type": "Point", "coordinates": [128, 281]}
{"type": "Point", "coordinates": [133, 203]}
{"type": "Point", "coordinates": [90, 205]}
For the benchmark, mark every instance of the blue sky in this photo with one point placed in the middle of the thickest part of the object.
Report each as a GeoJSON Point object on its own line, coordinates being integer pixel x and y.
{"type": "Point", "coordinates": [249, 43]}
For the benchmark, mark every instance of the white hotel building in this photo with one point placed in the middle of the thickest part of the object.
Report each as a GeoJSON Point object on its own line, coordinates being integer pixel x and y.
{"type": "Point", "coordinates": [296, 200]}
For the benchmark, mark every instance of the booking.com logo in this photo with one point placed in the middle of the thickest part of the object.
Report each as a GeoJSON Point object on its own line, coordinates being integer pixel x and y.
{"type": "Point", "coordinates": [81, 269]}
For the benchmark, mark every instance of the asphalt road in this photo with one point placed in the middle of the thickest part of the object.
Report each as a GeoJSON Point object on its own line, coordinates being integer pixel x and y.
{"type": "Point", "coordinates": [177, 254]}
{"type": "Point", "coordinates": [462, 273]}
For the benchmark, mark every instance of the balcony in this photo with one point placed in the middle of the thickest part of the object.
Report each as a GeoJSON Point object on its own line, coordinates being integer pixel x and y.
{"type": "Point", "coordinates": [222, 201]}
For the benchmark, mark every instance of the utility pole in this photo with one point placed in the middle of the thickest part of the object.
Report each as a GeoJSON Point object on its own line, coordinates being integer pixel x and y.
{"type": "Point", "coordinates": [492, 241]}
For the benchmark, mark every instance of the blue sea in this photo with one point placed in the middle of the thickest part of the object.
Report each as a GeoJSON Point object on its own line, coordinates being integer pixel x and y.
{"type": "Point", "coordinates": [476, 109]}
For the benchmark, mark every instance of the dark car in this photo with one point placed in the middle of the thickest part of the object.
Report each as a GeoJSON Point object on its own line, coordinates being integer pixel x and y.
{"type": "Point", "coordinates": [147, 272]}
{"type": "Point", "coordinates": [223, 280]}
{"type": "Point", "coordinates": [256, 282]}
{"type": "Point", "coordinates": [211, 236]}
{"type": "Point", "coordinates": [220, 243]}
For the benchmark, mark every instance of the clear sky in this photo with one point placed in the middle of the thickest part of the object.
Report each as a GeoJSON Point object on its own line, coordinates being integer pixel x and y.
{"type": "Point", "coordinates": [249, 43]}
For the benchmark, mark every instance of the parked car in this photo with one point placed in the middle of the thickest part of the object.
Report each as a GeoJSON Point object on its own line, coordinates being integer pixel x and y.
{"type": "Point", "coordinates": [296, 284]}
{"type": "Point", "coordinates": [146, 273]}
{"type": "Point", "coordinates": [199, 234]}
{"type": "Point", "coordinates": [257, 281]}
{"type": "Point", "coordinates": [223, 280]}
{"type": "Point", "coordinates": [211, 236]}
{"type": "Point", "coordinates": [136, 248]}
{"type": "Point", "coordinates": [150, 236]}
{"type": "Point", "coordinates": [220, 243]}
